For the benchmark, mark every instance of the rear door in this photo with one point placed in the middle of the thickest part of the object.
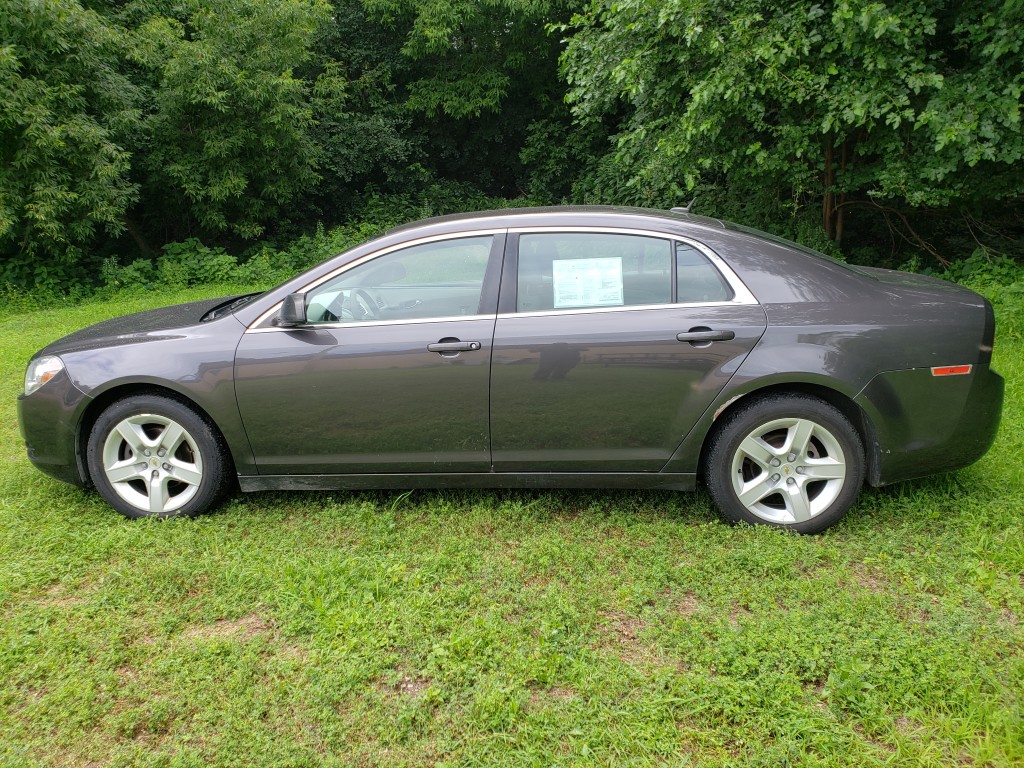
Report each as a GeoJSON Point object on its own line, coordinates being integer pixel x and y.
{"type": "Point", "coordinates": [608, 347]}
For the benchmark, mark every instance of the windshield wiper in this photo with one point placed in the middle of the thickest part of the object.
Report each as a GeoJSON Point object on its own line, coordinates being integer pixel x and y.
{"type": "Point", "coordinates": [230, 306]}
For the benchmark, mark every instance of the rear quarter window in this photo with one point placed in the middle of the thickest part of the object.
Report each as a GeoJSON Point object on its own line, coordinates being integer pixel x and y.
{"type": "Point", "coordinates": [697, 279]}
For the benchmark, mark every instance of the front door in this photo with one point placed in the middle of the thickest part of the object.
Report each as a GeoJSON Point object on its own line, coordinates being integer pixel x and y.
{"type": "Point", "coordinates": [389, 375]}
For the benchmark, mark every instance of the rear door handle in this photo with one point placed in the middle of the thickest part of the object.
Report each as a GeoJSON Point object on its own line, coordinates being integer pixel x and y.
{"type": "Point", "coordinates": [454, 346]}
{"type": "Point", "coordinates": [705, 334]}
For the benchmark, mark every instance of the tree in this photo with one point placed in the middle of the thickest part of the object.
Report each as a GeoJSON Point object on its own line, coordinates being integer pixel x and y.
{"type": "Point", "coordinates": [228, 142]}
{"type": "Point", "coordinates": [65, 112]}
{"type": "Point", "coordinates": [361, 129]}
{"type": "Point", "coordinates": [848, 103]}
{"type": "Point", "coordinates": [479, 77]}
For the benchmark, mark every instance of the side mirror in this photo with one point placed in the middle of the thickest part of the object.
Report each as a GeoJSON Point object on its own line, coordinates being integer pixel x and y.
{"type": "Point", "coordinates": [293, 311]}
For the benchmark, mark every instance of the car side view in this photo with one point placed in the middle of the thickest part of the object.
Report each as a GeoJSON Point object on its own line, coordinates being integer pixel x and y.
{"type": "Point", "coordinates": [564, 347]}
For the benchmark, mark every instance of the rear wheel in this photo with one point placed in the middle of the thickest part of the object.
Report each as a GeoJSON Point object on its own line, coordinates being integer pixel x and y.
{"type": "Point", "coordinates": [153, 456]}
{"type": "Point", "coordinates": [790, 461]}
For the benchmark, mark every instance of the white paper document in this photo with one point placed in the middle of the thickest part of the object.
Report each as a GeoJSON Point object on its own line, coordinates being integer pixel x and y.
{"type": "Point", "coordinates": [587, 282]}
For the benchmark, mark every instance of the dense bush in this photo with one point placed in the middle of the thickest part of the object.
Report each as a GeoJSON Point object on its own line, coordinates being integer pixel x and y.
{"type": "Point", "coordinates": [1001, 280]}
{"type": "Point", "coordinates": [192, 262]}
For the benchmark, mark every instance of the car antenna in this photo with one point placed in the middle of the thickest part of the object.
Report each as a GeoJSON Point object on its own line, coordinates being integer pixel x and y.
{"type": "Point", "coordinates": [687, 208]}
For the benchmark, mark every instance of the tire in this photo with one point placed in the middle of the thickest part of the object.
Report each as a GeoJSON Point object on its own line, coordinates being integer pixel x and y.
{"type": "Point", "coordinates": [154, 456]}
{"type": "Point", "coordinates": [786, 460]}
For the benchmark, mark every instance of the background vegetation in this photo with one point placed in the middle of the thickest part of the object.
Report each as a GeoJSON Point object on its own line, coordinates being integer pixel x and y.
{"type": "Point", "coordinates": [134, 132]}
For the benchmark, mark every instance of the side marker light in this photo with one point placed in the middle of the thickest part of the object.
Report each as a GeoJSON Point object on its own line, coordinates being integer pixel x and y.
{"type": "Point", "coordinates": [952, 370]}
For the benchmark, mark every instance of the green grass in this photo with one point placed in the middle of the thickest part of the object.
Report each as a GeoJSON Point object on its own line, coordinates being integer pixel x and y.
{"type": "Point", "coordinates": [506, 628]}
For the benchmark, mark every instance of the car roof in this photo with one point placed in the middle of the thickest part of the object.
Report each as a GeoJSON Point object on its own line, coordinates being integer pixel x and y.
{"type": "Point", "coordinates": [563, 215]}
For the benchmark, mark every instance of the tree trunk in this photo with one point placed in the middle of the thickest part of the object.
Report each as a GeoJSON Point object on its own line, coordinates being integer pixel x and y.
{"type": "Point", "coordinates": [140, 241]}
{"type": "Point", "coordinates": [840, 210]}
{"type": "Point", "coordinates": [828, 204]}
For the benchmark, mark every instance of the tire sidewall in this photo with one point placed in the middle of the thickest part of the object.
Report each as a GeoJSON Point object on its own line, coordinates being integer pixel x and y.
{"type": "Point", "coordinates": [206, 439]}
{"type": "Point", "coordinates": [737, 425]}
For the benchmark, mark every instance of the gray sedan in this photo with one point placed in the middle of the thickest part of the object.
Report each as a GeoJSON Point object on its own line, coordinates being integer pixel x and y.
{"type": "Point", "coordinates": [534, 348]}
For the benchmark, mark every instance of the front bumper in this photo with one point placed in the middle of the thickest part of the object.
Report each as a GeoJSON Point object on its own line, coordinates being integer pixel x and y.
{"type": "Point", "coordinates": [925, 424]}
{"type": "Point", "coordinates": [48, 420]}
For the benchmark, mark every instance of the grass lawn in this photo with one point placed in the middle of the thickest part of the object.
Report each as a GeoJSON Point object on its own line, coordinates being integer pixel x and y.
{"type": "Point", "coordinates": [507, 628]}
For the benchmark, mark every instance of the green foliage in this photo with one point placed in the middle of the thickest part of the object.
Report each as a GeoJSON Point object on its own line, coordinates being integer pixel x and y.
{"type": "Point", "coordinates": [981, 270]}
{"type": "Point", "coordinates": [138, 275]}
{"type": "Point", "coordinates": [228, 129]}
{"type": "Point", "coordinates": [472, 54]}
{"type": "Point", "coordinates": [437, 199]}
{"type": "Point", "coordinates": [891, 131]}
{"type": "Point", "coordinates": [477, 79]}
{"type": "Point", "coordinates": [1001, 280]}
{"type": "Point", "coordinates": [65, 113]}
{"type": "Point", "coordinates": [361, 130]}
{"type": "Point", "coordinates": [552, 147]}
{"type": "Point", "coordinates": [849, 688]}
{"type": "Point", "coordinates": [192, 262]}
{"type": "Point", "coordinates": [844, 102]}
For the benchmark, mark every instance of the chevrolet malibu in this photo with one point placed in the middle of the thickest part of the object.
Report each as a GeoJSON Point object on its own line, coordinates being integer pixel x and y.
{"type": "Point", "coordinates": [565, 347]}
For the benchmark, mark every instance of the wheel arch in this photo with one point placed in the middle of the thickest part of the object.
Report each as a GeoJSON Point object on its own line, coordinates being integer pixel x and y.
{"type": "Point", "coordinates": [108, 397]}
{"type": "Point", "coordinates": [839, 400]}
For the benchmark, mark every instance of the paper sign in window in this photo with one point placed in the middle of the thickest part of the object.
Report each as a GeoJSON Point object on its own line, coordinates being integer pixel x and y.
{"type": "Point", "coordinates": [587, 282]}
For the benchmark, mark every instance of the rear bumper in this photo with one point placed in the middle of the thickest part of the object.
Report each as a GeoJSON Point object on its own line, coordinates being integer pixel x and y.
{"type": "Point", "coordinates": [925, 424]}
{"type": "Point", "coordinates": [48, 419]}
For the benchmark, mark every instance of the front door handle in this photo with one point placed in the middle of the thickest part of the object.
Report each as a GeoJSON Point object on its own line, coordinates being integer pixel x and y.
{"type": "Point", "coordinates": [701, 334]}
{"type": "Point", "coordinates": [454, 346]}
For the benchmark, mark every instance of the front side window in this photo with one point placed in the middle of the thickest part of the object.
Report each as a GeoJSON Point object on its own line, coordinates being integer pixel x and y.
{"type": "Point", "coordinates": [439, 279]}
{"type": "Point", "coordinates": [572, 270]}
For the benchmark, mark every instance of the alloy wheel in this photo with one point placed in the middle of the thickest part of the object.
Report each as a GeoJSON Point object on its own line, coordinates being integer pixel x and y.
{"type": "Point", "coordinates": [152, 463]}
{"type": "Point", "coordinates": [788, 470]}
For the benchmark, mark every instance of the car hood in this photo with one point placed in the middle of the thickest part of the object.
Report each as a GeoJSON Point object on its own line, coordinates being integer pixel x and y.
{"type": "Point", "coordinates": [129, 329]}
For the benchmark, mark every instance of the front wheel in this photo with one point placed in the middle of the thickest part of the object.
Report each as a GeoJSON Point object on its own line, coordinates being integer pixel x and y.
{"type": "Point", "coordinates": [152, 456]}
{"type": "Point", "coordinates": [790, 461]}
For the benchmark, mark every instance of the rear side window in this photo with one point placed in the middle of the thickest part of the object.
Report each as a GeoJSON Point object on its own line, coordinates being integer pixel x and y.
{"type": "Point", "coordinates": [588, 270]}
{"type": "Point", "coordinates": [697, 280]}
{"type": "Point", "coordinates": [572, 270]}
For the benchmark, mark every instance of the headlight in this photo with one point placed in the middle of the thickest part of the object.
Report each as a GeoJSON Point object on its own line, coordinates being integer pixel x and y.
{"type": "Point", "coordinates": [40, 371]}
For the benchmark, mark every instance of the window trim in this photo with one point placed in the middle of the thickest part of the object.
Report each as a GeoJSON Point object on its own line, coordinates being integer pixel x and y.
{"type": "Point", "coordinates": [508, 267]}
{"type": "Point", "coordinates": [510, 273]}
